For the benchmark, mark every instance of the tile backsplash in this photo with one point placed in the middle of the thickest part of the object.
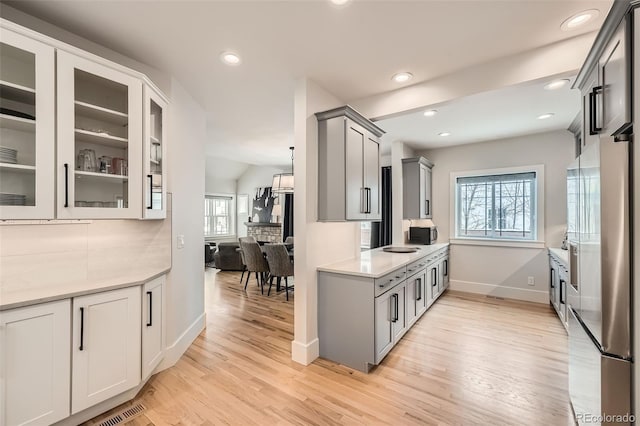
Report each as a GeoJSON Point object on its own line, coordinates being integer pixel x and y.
{"type": "Point", "coordinates": [49, 254]}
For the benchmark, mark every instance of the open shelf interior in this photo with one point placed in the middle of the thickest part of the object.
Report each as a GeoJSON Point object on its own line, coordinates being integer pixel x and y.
{"type": "Point", "coordinates": [17, 186]}
{"type": "Point", "coordinates": [18, 68]}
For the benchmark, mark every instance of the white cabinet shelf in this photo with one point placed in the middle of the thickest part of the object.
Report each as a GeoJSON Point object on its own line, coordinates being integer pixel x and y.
{"type": "Point", "coordinates": [17, 93]}
{"type": "Point", "coordinates": [17, 168]}
{"type": "Point", "coordinates": [100, 113]}
{"type": "Point", "coordinates": [17, 123]}
{"type": "Point", "coordinates": [100, 176]}
{"type": "Point", "coordinates": [101, 138]}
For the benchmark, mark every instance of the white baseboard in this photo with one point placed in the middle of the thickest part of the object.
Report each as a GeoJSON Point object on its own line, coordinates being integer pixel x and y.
{"type": "Point", "coordinates": [173, 352]}
{"type": "Point", "coordinates": [525, 294]}
{"type": "Point", "coordinates": [305, 353]}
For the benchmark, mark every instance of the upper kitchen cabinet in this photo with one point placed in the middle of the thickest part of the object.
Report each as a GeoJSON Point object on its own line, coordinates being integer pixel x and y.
{"type": "Point", "coordinates": [99, 140]}
{"type": "Point", "coordinates": [155, 131]}
{"type": "Point", "coordinates": [416, 186]}
{"type": "Point", "coordinates": [27, 127]}
{"type": "Point", "coordinates": [605, 85]}
{"type": "Point", "coordinates": [348, 166]}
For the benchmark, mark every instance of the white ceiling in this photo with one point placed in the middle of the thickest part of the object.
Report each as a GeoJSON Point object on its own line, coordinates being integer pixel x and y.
{"type": "Point", "coordinates": [351, 51]}
{"type": "Point", "coordinates": [503, 113]}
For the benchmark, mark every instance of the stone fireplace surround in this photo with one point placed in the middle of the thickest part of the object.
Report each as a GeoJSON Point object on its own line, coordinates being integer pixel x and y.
{"type": "Point", "coordinates": [267, 232]}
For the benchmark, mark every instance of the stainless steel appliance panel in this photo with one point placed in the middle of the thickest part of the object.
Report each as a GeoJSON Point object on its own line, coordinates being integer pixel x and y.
{"type": "Point", "coordinates": [584, 372]}
{"type": "Point", "coordinates": [615, 252]}
{"type": "Point", "coordinates": [589, 249]}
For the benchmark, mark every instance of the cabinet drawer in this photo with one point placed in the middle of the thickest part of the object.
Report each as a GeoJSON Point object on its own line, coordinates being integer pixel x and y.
{"type": "Point", "coordinates": [388, 281]}
{"type": "Point", "coordinates": [416, 266]}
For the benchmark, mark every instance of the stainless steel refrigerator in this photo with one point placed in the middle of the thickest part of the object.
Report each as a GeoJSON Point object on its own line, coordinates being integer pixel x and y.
{"type": "Point", "coordinates": [600, 294]}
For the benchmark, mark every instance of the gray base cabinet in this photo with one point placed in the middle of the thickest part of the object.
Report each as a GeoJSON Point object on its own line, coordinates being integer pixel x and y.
{"type": "Point", "coordinates": [360, 319]}
{"type": "Point", "coordinates": [558, 281]}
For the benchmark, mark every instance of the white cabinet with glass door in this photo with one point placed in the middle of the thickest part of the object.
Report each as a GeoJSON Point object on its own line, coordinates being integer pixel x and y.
{"type": "Point", "coordinates": [27, 127]}
{"type": "Point", "coordinates": [99, 143]}
{"type": "Point", "coordinates": [155, 131]}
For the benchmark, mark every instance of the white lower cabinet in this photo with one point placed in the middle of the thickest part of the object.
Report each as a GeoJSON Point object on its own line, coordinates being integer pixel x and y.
{"type": "Point", "coordinates": [35, 364]}
{"type": "Point", "coordinates": [106, 346]}
{"type": "Point", "coordinates": [152, 325]}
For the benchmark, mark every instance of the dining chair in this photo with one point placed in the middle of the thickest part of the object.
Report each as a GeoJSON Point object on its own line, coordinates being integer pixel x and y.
{"type": "Point", "coordinates": [249, 239]}
{"type": "Point", "coordinates": [280, 265]}
{"type": "Point", "coordinates": [255, 262]}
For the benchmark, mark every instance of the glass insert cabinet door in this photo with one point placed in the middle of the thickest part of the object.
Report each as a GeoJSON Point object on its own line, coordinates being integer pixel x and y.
{"type": "Point", "coordinates": [154, 178]}
{"type": "Point", "coordinates": [27, 127]}
{"type": "Point", "coordinates": [99, 140]}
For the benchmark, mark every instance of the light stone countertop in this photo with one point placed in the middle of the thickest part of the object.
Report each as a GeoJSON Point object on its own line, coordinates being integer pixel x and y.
{"type": "Point", "coordinates": [376, 263]}
{"type": "Point", "coordinates": [16, 296]}
{"type": "Point", "coordinates": [562, 255]}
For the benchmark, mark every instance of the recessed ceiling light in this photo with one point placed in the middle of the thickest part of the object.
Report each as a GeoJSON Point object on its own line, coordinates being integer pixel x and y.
{"type": "Point", "coordinates": [443, 134]}
{"type": "Point", "coordinates": [402, 77]}
{"type": "Point", "coordinates": [545, 116]}
{"type": "Point", "coordinates": [339, 2]}
{"type": "Point", "coordinates": [579, 19]}
{"type": "Point", "coordinates": [430, 113]}
{"type": "Point", "coordinates": [556, 84]}
{"type": "Point", "coordinates": [230, 58]}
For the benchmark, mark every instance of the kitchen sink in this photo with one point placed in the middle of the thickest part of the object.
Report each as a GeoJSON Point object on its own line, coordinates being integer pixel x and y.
{"type": "Point", "coordinates": [393, 249]}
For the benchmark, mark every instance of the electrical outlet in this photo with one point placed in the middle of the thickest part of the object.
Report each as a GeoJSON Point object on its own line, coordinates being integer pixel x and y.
{"type": "Point", "coordinates": [531, 281]}
{"type": "Point", "coordinates": [180, 239]}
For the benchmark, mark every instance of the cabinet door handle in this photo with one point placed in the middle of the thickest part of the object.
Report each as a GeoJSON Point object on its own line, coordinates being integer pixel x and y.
{"type": "Point", "coordinates": [593, 113]}
{"type": "Point", "coordinates": [150, 206]}
{"type": "Point", "coordinates": [81, 329]}
{"type": "Point", "coordinates": [426, 207]}
{"type": "Point", "coordinates": [66, 186]}
{"type": "Point", "coordinates": [561, 292]}
{"type": "Point", "coordinates": [419, 288]}
{"type": "Point", "coordinates": [551, 277]}
{"type": "Point", "coordinates": [150, 320]}
{"type": "Point", "coordinates": [446, 267]}
{"type": "Point", "coordinates": [396, 302]}
{"type": "Point", "coordinates": [363, 207]}
{"type": "Point", "coordinates": [368, 200]}
{"type": "Point", "coordinates": [434, 277]}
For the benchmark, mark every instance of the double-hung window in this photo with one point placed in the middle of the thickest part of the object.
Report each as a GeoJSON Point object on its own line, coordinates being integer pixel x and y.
{"type": "Point", "coordinates": [497, 206]}
{"type": "Point", "coordinates": [218, 216]}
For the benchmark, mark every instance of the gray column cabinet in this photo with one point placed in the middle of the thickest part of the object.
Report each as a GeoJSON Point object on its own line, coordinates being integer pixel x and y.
{"type": "Point", "coordinates": [416, 184]}
{"type": "Point", "coordinates": [348, 166]}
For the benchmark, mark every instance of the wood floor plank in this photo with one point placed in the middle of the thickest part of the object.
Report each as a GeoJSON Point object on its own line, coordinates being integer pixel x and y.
{"type": "Point", "coordinates": [470, 360]}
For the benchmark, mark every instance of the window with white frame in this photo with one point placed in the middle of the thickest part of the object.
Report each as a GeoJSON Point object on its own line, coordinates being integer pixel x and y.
{"type": "Point", "coordinates": [218, 216]}
{"type": "Point", "coordinates": [498, 206]}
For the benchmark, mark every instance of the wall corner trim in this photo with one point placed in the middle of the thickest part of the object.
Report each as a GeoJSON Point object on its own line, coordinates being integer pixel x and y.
{"type": "Point", "coordinates": [305, 353]}
{"type": "Point", "coordinates": [174, 351]}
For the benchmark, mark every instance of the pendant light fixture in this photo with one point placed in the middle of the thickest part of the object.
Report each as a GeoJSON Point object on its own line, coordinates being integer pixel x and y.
{"type": "Point", "coordinates": [283, 182]}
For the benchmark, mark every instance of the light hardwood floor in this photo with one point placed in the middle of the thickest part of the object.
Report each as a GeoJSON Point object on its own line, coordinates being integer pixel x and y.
{"type": "Point", "coordinates": [470, 360]}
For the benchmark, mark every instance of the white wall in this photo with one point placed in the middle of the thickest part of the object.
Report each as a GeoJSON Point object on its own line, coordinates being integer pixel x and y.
{"type": "Point", "coordinates": [503, 271]}
{"type": "Point", "coordinates": [254, 177]}
{"type": "Point", "coordinates": [185, 283]}
{"type": "Point", "coordinates": [221, 175]}
{"type": "Point", "coordinates": [317, 243]}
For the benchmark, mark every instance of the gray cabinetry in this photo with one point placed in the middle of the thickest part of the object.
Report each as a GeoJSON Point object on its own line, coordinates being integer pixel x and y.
{"type": "Point", "coordinates": [558, 287]}
{"type": "Point", "coordinates": [348, 166]}
{"type": "Point", "coordinates": [390, 319]}
{"type": "Point", "coordinates": [416, 184]}
{"type": "Point", "coordinates": [589, 114]}
{"type": "Point", "coordinates": [416, 296]}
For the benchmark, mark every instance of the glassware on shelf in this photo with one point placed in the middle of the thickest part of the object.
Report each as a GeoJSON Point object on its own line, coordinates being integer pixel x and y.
{"type": "Point", "coordinates": [105, 164]}
{"type": "Point", "coordinates": [86, 161]}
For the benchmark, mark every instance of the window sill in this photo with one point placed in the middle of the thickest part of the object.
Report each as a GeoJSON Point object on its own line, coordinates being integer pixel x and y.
{"type": "Point", "coordinates": [497, 243]}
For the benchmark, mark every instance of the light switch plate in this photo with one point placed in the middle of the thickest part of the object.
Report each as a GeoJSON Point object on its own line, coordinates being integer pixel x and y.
{"type": "Point", "coordinates": [180, 239]}
{"type": "Point", "coordinates": [531, 281]}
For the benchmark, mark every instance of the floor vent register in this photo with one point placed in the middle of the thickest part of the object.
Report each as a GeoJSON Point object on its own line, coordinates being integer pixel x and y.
{"type": "Point", "coordinates": [123, 416]}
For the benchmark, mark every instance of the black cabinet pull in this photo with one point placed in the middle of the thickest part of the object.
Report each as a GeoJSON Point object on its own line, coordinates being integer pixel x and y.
{"type": "Point", "coordinates": [66, 186]}
{"type": "Point", "coordinates": [150, 321]}
{"type": "Point", "coordinates": [427, 207]}
{"type": "Point", "coordinates": [150, 206]}
{"type": "Point", "coordinates": [419, 288]}
{"type": "Point", "coordinates": [393, 315]}
{"type": "Point", "coordinates": [434, 277]}
{"type": "Point", "coordinates": [562, 292]}
{"type": "Point", "coordinates": [551, 278]}
{"type": "Point", "coordinates": [363, 201]}
{"type": "Point", "coordinates": [397, 313]}
{"type": "Point", "coordinates": [446, 267]}
{"type": "Point", "coordinates": [81, 329]}
{"type": "Point", "coordinates": [593, 110]}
